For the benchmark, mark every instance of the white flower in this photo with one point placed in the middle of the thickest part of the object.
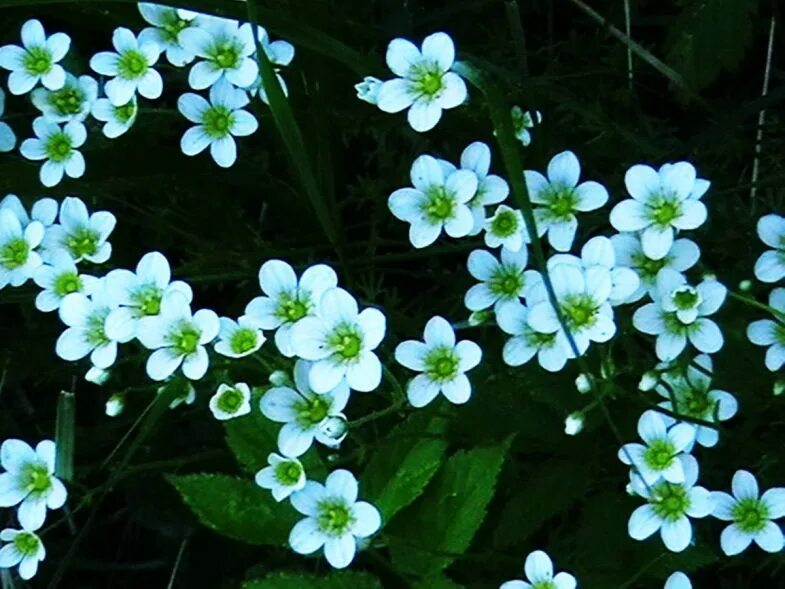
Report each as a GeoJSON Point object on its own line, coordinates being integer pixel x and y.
{"type": "Point", "coordinates": [678, 580]}
{"type": "Point", "coordinates": [217, 122]}
{"type": "Point", "coordinates": [280, 53]}
{"type": "Point", "coordinates": [491, 189]}
{"type": "Point", "coordinates": [335, 519]}
{"type": "Point", "coordinates": [770, 266]}
{"type": "Point", "coordinates": [658, 457]}
{"type": "Point", "coordinates": [82, 234]}
{"type": "Point", "coordinates": [539, 575]}
{"type": "Point", "coordinates": [694, 397]}
{"type": "Point", "coordinates": [679, 313]}
{"type": "Point", "coordinates": [766, 332]}
{"type": "Point", "coordinates": [283, 477]}
{"type": "Point", "coordinates": [304, 413]}
{"type": "Point", "coordinates": [368, 89]}
{"type": "Point", "coordinates": [506, 228]}
{"type": "Point", "coordinates": [7, 136]}
{"type": "Point", "coordinates": [226, 49]}
{"type": "Point", "coordinates": [18, 258]}
{"type": "Point", "coordinates": [29, 481]}
{"type": "Point", "coordinates": [438, 200]}
{"type": "Point", "coordinates": [425, 85]}
{"type": "Point", "coordinates": [37, 60]}
{"type": "Point", "coordinates": [139, 294]}
{"type": "Point", "coordinates": [562, 197]}
{"type": "Point", "coordinates": [117, 119]}
{"type": "Point", "coordinates": [44, 210]}
{"type": "Point", "coordinates": [287, 299]}
{"type": "Point", "coordinates": [23, 548]}
{"type": "Point", "coordinates": [669, 507]}
{"type": "Point", "coordinates": [131, 67]}
{"type": "Point", "coordinates": [58, 145]}
{"type": "Point", "coordinates": [522, 122]}
{"type": "Point", "coordinates": [525, 343]}
{"type": "Point", "coordinates": [340, 340]}
{"type": "Point", "coordinates": [178, 337]}
{"type": "Point", "coordinates": [229, 402]}
{"type": "Point", "coordinates": [751, 514]}
{"type": "Point", "coordinates": [72, 102]}
{"type": "Point", "coordinates": [237, 339]}
{"type": "Point", "coordinates": [662, 202]}
{"type": "Point", "coordinates": [58, 278]}
{"type": "Point", "coordinates": [682, 256]}
{"type": "Point", "coordinates": [166, 32]}
{"type": "Point", "coordinates": [442, 362]}
{"type": "Point", "coordinates": [502, 281]}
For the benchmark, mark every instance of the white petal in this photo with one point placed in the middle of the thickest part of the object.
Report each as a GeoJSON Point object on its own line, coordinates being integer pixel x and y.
{"type": "Point", "coordinates": [162, 363]}
{"type": "Point", "coordinates": [421, 391]}
{"type": "Point", "coordinates": [676, 535]}
{"type": "Point", "coordinates": [439, 49]}
{"type": "Point", "coordinates": [744, 485]}
{"type": "Point", "coordinates": [771, 230]}
{"type": "Point", "coordinates": [564, 169]}
{"type": "Point", "coordinates": [770, 538]}
{"type": "Point", "coordinates": [457, 390]}
{"type": "Point", "coordinates": [629, 215]}
{"type": "Point", "coordinates": [642, 182]}
{"type": "Point", "coordinates": [339, 552]}
{"type": "Point", "coordinates": [342, 483]}
{"type": "Point", "coordinates": [401, 55]}
{"type": "Point", "coordinates": [424, 115]}
{"type": "Point", "coordinates": [734, 541]}
{"type": "Point", "coordinates": [306, 537]}
{"type": "Point", "coordinates": [538, 567]}
{"type": "Point", "coordinates": [395, 96]}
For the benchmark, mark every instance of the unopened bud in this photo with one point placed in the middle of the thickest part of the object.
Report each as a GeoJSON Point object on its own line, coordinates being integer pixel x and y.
{"type": "Point", "coordinates": [648, 381]}
{"type": "Point", "coordinates": [97, 376]}
{"type": "Point", "coordinates": [573, 424]}
{"type": "Point", "coordinates": [480, 317]}
{"type": "Point", "coordinates": [583, 383]}
{"type": "Point", "coordinates": [779, 387]}
{"type": "Point", "coordinates": [279, 378]}
{"type": "Point", "coordinates": [115, 405]}
{"type": "Point", "coordinates": [745, 285]}
{"type": "Point", "coordinates": [368, 89]}
{"type": "Point", "coordinates": [335, 428]}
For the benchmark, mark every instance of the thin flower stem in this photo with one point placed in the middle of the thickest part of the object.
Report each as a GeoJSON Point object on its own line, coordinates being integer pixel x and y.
{"type": "Point", "coordinates": [762, 114]}
{"type": "Point", "coordinates": [757, 304]}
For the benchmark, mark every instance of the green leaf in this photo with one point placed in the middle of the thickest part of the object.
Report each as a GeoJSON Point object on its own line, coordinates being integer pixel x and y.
{"type": "Point", "coordinates": [439, 526]}
{"type": "Point", "coordinates": [710, 37]}
{"type": "Point", "coordinates": [335, 580]}
{"type": "Point", "coordinates": [405, 463]}
{"type": "Point", "coordinates": [438, 582]}
{"type": "Point", "coordinates": [236, 508]}
{"type": "Point", "coordinates": [64, 436]}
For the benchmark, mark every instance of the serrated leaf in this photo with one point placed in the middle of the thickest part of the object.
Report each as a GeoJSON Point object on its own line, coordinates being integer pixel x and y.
{"type": "Point", "coordinates": [405, 463]}
{"type": "Point", "coordinates": [335, 580]}
{"type": "Point", "coordinates": [440, 525]}
{"type": "Point", "coordinates": [236, 508]}
{"type": "Point", "coordinates": [710, 37]}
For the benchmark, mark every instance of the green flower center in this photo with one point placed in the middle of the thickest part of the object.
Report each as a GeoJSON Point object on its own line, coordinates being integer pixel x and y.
{"type": "Point", "coordinates": [696, 403]}
{"type": "Point", "coordinates": [218, 121]}
{"type": "Point", "coordinates": [66, 283]}
{"type": "Point", "coordinates": [291, 308]}
{"type": "Point", "coordinates": [670, 501]}
{"type": "Point", "coordinates": [14, 253]}
{"type": "Point", "coordinates": [230, 400]}
{"type": "Point", "coordinates": [147, 299]}
{"type": "Point", "coordinates": [648, 268]}
{"type": "Point", "coordinates": [243, 340]}
{"type": "Point", "coordinates": [185, 339]}
{"type": "Point", "coordinates": [26, 543]}
{"type": "Point", "coordinates": [428, 80]}
{"type": "Point", "coordinates": [506, 282]}
{"type": "Point", "coordinates": [751, 515]}
{"type": "Point", "coordinates": [580, 311]}
{"type": "Point", "coordinates": [561, 202]}
{"type": "Point", "coordinates": [67, 101]}
{"type": "Point", "coordinates": [439, 206]}
{"type": "Point", "coordinates": [346, 342]}
{"type": "Point", "coordinates": [225, 55]}
{"type": "Point", "coordinates": [58, 146]}
{"type": "Point", "coordinates": [37, 61]}
{"type": "Point", "coordinates": [313, 411]}
{"type": "Point", "coordinates": [544, 585]}
{"type": "Point", "coordinates": [779, 333]}
{"type": "Point", "coordinates": [82, 242]}
{"type": "Point", "coordinates": [36, 478]}
{"type": "Point", "coordinates": [540, 340]}
{"type": "Point", "coordinates": [95, 334]}
{"type": "Point", "coordinates": [504, 224]}
{"type": "Point", "coordinates": [663, 210]}
{"type": "Point", "coordinates": [334, 518]}
{"type": "Point", "coordinates": [132, 64]}
{"type": "Point", "coordinates": [441, 364]}
{"type": "Point", "coordinates": [288, 473]}
{"type": "Point", "coordinates": [660, 454]}
{"type": "Point", "coordinates": [125, 113]}
{"type": "Point", "coordinates": [686, 298]}
{"type": "Point", "coordinates": [172, 27]}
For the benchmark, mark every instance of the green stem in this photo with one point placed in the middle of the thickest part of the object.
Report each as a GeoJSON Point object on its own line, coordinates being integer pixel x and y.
{"type": "Point", "coordinates": [757, 304]}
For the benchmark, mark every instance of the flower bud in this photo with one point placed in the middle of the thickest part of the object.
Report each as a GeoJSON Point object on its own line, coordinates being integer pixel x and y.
{"type": "Point", "coordinates": [97, 376]}
{"type": "Point", "coordinates": [648, 381]}
{"type": "Point", "coordinates": [368, 89]}
{"type": "Point", "coordinates": [583, 383]}
{"type": "Point", "coordinates": [480, 317]}
{"type": "Point", "coordinates": [573, 424]}
{"type": "Point", "coordinates": [745, 285]}
{"type": "Point", "coordinates": [779, 387]}
{"type": "Point", "coordinates": [279, 378]}
{"type": "Point", "coordinates": [115, 405]}
{"type": "Point", "coordinates": [335, 428]}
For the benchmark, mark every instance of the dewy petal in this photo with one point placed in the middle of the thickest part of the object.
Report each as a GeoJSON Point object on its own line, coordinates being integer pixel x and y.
{"type": "Point", "coordinates": [538, 567]}
{"type": "Point", "coordinates": [279, 404]}
{"type": "Point", "coordinates": [401, 56]}
{"type": "Point", "coordinates": [439, 49]}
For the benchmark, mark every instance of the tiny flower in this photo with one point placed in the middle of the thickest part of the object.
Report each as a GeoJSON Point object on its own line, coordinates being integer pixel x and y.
{"type": "Point", "coordinates": [678, 580]}
{"type": "Point", "coordinates": [23, 548]}
{"type": "Point", "coordinates": [442, 362]}
{"type": "Point", "coordinates": [29, 481]}
{"type": "Point", "coordinates": [658, 458]}
{"type": "Point", "coordinates": [283, 477]}
{"type": "Point", "coordinates": [340, 340]}
{"type": "Point", "coordinates": [502, 281]}
{"type": "Point", "coordinates": [72, 102]}
{"type": "Point", "coordinates": [368, 89]}
{"type": "Point", "coordinates": [114, 405]}
{"type": "Point", "coordinates": [166, 32]}
{"type": "Point", "coordinates": [37, 60]}
{"type": "Point", "coordinates": [237, 339]}
{"type": "Point", "coordinates": [334, 518]}
{"type": "Point", "coordinates": [766, 332]}
{"type": "Point", "coordinates": [525, 343]}
{"type": "Point", "coordinates": [131, 68]}
{"type": "Point", "coordinates": [437, 201]}
{"type": "Point", "coordinates": [58, 278]}
{"type": "Point", "coordinates": [770, 266]}
{"type": "Point", "coordinates": [522, 122]}
{"type": "Point", "coordinates": [573, 425]}
{"type": "Point", "coordinates": [7, 136]}
{"type": "Point", "coordinates": [669, 507]}
{"type": "Point", "coordinates": [178, 337]}
{"type": "Point", "coordinates": [506, 228]}
{"type": "Point", "coordinates": [58, 145]}
{"type": "Point", "coordinates": [679, 313]}
{"type": "Point", "coordinates": [662, 202]}
{"type": "Point", "coordinates": [44, 210]}
{"type": "Point", "coordinates": [18, 258]}
{"type": "Point", "coordinates": [117, 119]}
{"type": "Point", "coordinates": [287, 300]}
{"type": "Point", "coordinates": [81, 234]}
{"type": "Point", "coordinates": [561, 198]}
{"type": "Point", "coordinates": [226, 50]}
{"type": "Point", "coordinates": [229, 402]}
{"type": "Point", "coordinates": [425, 84]}
{"type": "Point", "coordinates": [751, 514]}
{"type": "Point", "coordinates": [217, 122]}
{"type": "Point", "coordinates": [303, 412]}
{"type": "Point", "coordinates": [491, 189]}
{"type": "Point", "coordinates": [539, 575]}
